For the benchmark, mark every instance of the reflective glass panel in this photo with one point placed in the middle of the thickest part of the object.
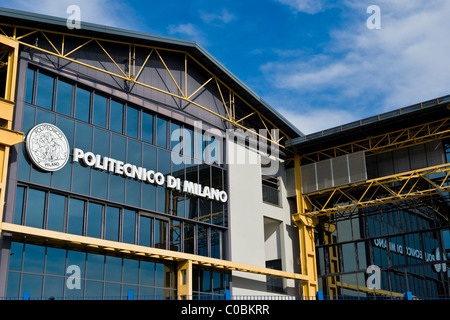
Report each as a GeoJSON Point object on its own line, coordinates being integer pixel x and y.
{"type": "Point", "coordinates": [30, 84]}
{"type": "Point", "coordinates": [94, 220]}
{"type": "Point", "coordinates": [144, 231]}
{"type": "Point", "coordinates": [116, 117]}
{"type": "Point", "coordinates": [147, 127]}
{"type": "Point", "coordinates": [56, 210]}
{"type": "Point", "coordinates": [129, 226]}
{"type": "Point", "coordinates": [64, 98]}
{"type": "Point", "coordinates": [99, 112]}
{"type": "Point", "coordinates": [161, 132]}
{"type": "Point", "coordinates": [44, 91]}
{"type": "Point", "coordinates": [76, 213]}
{"type": "Point", "coordinates": [132, 122]}
{"type": "Point", "coordinates": [56, 261]}
{"type": "Point", "coordinates": [82, 104]}
{"type": "Point", "coordinates": [112, 223]}
{"type": "Point", "coordinates": [35, 208]}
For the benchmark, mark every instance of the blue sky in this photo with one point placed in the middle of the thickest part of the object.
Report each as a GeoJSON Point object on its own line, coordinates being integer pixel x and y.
{"type": "Point", "coordinates": [315, 61]}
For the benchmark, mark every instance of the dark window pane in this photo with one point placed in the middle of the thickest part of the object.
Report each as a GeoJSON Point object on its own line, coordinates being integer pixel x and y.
{"type": "Point", "coordinates": [175, 236]}
{"type": "Point", "coordinates": [147, 276]}
{"type": "Point", "coordinates": [130, 271]}
{"type": "Point", "coordinates": [149, 159]}
{"type": "Point", "coordinates": [145, 231]}
{"type": "Point", "coordinates": [216, 243]}
{"type": "Point", "coordinates": [189, 238]}
{"type": "Point", "coordinates": [200, 145]}
{"type": "Point", "coordinates": [44, 94]}
{"type": "Point", "coordinates": [161, 234]}
{"type": "Point", "coordinates": [116, 117]}
{"type": "Point", "coordinates": [132, 122]}
{"type": "Point", "coordinates": [76, 214]}
{"type": "Point", "coordinates": [164, 161]}
{"type": "Point", "coordinates": [13, 285]}
{"type": "Point", "coordinates": [202, 237]}
{"type": "Point", "coordinates": [30, 84]}
{"type": "Point", "coordinates": [94, 220]}
{"type": "Point", "coordinates": [134, 154]}
{"type": "Point", "coordinates": [133, 192]}
{"type": "Point", "coordinates": [56, 261]}
{"type": "Point", "coordinates": [118, 147]}
{"type": "Point", "coordinates": [53, 287]}
{"type": "Point", "coordinates": [113, 269]}
{"type": "Point", "coordinates": [116, 188]}
{"type": "Point", "coordinates": [101, 142]}
{"type": "Point", "coordinates": [33, 284]}
{"type": "Point", "coordinates": [149, 196]}
{"type": "Point", "coordinates": [129, 225]}
{"type": "Point", "coordinates": [64, 98]}
{"type": "Point", "coordinates": [99, 112]}
{"type": "Point", "coordinates": [94, 266]}
{"type": "Point", "coordinates": [175, 137]}
{"type": "Point", "coordinates": [163, 199]}
{"type": "Point", "coordinates": [147, 127]}
{"type": "Point", "coordinates": [83, 101]}
{"type": "Point", "coordinates": [99, 184]}
{"type": "Point", "coordinates": [81, 178]}
{"type": "Point", "coordinates": [56, 209]}
{"type": "Point", "coordinates": [112, 291]}
{"type": "Point", "coordinates": [18, 207]}
{"type": "Point", "coordinates": [33, 259]}
{"type": "Point", "coordinates": [35, 208]}
{"type": "Point", "coordinates": [112, 223]}
{"type": "Point", "coordinates": [161, 132]}
{"type": "Point", "coordinates": [15, 256]}
{"type": "Point", "coordinates": [83, 139]}
{"type": "Point", "coordinates": [94, 290]}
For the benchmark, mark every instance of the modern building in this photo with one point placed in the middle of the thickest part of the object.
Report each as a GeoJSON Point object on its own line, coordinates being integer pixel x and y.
{"type": "Point", "coordinates": [135, 166]}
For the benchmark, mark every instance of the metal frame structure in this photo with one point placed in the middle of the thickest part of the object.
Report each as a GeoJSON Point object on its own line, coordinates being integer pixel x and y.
{"type": "Point", "coordinates": [130, 72]}
{"type": "Point", "coordinates": [11, 37]}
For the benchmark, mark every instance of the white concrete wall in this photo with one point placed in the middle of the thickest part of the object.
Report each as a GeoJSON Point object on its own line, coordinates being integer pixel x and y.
{"type": "Point", "coordinates": [246, 225]}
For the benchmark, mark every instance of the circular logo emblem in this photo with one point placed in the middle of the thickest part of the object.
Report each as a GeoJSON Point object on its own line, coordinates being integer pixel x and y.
{"type": "Point", "coordinates": [47, 147]}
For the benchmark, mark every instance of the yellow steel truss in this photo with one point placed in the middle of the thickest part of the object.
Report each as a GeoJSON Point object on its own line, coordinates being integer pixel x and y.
{"type": "Point", "coordinates": [8, 137]}
{"type": "Point", "coordinates": [394, 140]}
{"type": "Point", "coordinates": [389, 189]}
{"type": "Point", "coordinates": [26, 36]}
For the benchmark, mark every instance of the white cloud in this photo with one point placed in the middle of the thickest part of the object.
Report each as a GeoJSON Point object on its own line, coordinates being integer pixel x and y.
{"type": "Point", "coordinates": [188, 31]}
{"type": "Point", "coordinates": [113, 13]}
{"type": "Point", "coordinates": [213, 18]}
{"type": "Point", "coordinates": [315, 120]}
{"type": "Point", "coordinates": [371, 71]}
{"type": "Point", "coordinates": [306, 6]}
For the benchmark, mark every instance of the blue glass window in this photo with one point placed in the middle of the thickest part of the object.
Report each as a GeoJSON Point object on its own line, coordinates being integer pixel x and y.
{"type": "Point", "coordinates": [44, 91]}
{"type": "Point", "coordinates": [30, 85]}
{"type": "Point", "coordinates": [130, 271]}
{"type": "Point", "coordinates": [147, 276]}
{"type": "Point", "coordinates": [99, 111]}
{"type": "Point", "coordinates": [82, 104]}
{"type": "Point", "coordinates": [64, 98]}
{"type": "Point", "coordinates": [76, 215]}
{"type": "Point", "coordinates": [18, 207]}
{"type": "Point", "coordinates": [116, 117]}
{"type": "Point", "coordinates": [112, 223]}
{"type": "Point", "coordinates": [132, 122]}
{"type": "Point", "coordinates": [161, 234]}
{"type": "Point", "coordinates": [33, 258]}
{"type": "Point", "coordinates": [161, 132]}
{"type": "Point", "coordinates": [56, 261]}
{"type": "Point", "coordinates": [94, 267]}
{"type": "Point", "coordinates": [94, 220]}
{"type": "Point", "coordinates": [147, 127]}
{"type": "Point", "coordinates": [113, 269]}
{"type": "Point", "coordinates": [55, 215]}
{"type": "Point", "coordinates": [129, 225]}
{"type": "Point", "coordinates": [175, 138]}
{"type": "Point", "coordinates": [15, 260]}
{"type": "Point", "coordinates": [145, 228]}
{"type": "Point", "coordinates": [35, 208]}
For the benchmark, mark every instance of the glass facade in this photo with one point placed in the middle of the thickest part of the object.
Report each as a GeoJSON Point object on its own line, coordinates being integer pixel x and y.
{"type": "Point", "coordinates": [407, 242]}
{"type": "Point", "coordinates": [80, 200]}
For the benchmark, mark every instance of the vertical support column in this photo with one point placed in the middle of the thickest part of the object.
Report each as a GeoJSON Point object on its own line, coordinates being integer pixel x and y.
{"type": "Point", "coordinates": [329, 228]}
{"type": "Point", "coordinates": [8, 137]}
{"type": "Point", "coordinates": [306, 225]}
{"type": "Point", "coordinates": [184, 280]}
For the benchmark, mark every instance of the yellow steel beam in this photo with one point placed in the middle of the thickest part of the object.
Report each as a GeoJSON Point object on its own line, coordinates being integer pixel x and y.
{"type": "Point", "coordinates": [22, 39]}
{"type": "Point", "coordinates": [82, 241]}
{"type": "Point", "coordinates": [435, 130]}
{"type": "Point", "coordinates": [398, 187]}
{"type": "Point", "coordinates": [306, 225]}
